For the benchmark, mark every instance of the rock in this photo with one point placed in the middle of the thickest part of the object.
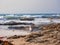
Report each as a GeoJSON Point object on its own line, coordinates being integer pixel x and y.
{"type": "Point", "coordinates": [49, 35]}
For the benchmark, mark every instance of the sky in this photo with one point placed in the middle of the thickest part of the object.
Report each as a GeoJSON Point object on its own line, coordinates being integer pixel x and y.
{"type": "Point", "coordinates": [29, 6]}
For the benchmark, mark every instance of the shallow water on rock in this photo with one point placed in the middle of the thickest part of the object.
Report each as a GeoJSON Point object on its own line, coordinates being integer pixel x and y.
{"type": "Point", "coordinates": [5, 31]}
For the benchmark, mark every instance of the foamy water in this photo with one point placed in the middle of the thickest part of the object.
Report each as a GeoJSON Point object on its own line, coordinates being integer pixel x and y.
{"type": "Point", "coordinates": [8, 33]}
{"type": "Point", "coordinates": [4, 31]}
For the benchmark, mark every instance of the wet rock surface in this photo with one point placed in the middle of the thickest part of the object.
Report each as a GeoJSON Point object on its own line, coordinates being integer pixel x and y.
{"type": "Point", "coordinates": [48, 35]}
{"type": "Point", "coordinates": [5, 43]}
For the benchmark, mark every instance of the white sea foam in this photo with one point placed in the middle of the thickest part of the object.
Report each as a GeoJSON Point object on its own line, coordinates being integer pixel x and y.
{"type": "Point", "coordinates": [8, 33]}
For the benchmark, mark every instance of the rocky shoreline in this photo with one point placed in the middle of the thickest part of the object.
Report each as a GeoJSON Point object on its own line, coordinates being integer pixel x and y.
{"type": "Point", "coordinates": [48, 35]}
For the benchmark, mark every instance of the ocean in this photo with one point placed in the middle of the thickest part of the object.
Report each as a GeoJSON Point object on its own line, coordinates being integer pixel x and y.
{"type": "Point", "coordinates": [5, 31]}
{"type": "Point", "coordinates": [15, 17]}
{"type": "Point", "coordinates": [41, 15]}
{"type": "Point", "coordinates": [7, 17]}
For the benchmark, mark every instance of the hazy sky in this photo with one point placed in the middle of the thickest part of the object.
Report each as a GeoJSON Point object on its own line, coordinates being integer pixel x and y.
{"type": "Point", "coordinates": [29, 6]}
